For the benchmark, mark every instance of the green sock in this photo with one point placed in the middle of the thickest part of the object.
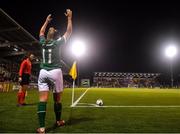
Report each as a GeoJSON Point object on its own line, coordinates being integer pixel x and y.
{"type": "Point", "coordinates": [57, 110]}
{"type": "Point", "coordinates": [42, 113]}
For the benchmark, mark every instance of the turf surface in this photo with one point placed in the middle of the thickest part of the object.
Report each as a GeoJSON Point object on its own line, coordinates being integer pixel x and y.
{"type": "Point", "coordinates": [98, 119]}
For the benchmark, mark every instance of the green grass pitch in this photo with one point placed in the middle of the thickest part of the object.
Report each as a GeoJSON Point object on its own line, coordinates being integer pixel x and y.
{"type": "Point", "coordinates": [130, 117]}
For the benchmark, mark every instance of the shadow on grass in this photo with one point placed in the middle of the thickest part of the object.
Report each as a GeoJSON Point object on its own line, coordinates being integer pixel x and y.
{"type": "Point", "coordinates": [69, 122]}
{"type": "Point", "coordinates": [73, 121]}
{"type": "Point", "coordinates": [3, 111]}
{"type": "Point", "coordinates": [31, 104]}
{"type": "Point", "coordinates": [26, 105]}
{"type": "Point", "coordinates": [50, 129]}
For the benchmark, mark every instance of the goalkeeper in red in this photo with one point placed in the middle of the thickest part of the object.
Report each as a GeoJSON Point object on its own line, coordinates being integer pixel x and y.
{"type": "Point", "coordinates": [50, 76]}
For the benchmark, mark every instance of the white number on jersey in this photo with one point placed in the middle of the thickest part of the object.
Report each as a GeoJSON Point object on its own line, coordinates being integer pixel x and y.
{"type": "Point", "coordinates": [49, 57]}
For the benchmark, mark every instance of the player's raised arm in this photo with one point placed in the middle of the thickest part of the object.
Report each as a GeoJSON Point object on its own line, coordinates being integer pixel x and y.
{"type": "Point", "coordinates": [43, 28]}
{"type": "Point", "coordinates": [69, 24]}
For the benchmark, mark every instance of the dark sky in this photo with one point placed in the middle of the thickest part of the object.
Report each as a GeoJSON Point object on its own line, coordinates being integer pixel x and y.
{"type": "Point", "coordinates": [120, 36]}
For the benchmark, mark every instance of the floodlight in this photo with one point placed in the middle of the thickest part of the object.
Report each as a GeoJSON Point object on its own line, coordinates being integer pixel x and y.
{"type": "Point", "coordinates": [171, 51]}
{"type": "Point", "coordinates": [78, 48]}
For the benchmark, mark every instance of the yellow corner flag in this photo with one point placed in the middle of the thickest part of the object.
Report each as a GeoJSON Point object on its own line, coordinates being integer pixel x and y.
{"type": "Point", "coordinates": [73, 71]}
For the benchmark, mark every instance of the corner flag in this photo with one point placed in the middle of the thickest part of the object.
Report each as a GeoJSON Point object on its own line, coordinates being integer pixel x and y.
{"type": "Point", "coordinates": [73, 71]}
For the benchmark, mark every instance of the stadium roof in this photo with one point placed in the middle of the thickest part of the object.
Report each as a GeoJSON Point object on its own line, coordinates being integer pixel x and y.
{"type": "Point", "coordinates": [126, 75]}
{"type": "Point", "coordinates": [14, 39]}
{"type": "Point", "coordinates": [16, 42]}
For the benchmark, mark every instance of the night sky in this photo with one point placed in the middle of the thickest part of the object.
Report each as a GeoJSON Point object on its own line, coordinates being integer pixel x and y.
{"type": "Point", "coordinates": [120, 36]}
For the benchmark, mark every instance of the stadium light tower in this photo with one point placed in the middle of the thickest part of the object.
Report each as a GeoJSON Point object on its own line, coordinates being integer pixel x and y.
{"type": "Point", "coordinates": [170, 53]}
{"type": "Point", "coordinates": [78, 49]}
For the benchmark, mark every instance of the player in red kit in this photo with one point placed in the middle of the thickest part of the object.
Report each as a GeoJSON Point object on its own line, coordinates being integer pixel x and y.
{"type": "Point", "coordinates": [24, 76]}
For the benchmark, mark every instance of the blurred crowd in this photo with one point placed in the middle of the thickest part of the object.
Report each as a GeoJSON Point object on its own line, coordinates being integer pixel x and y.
{"type": "Point", "coordinates": [125, 82]}
{"type": "Point", "coordinates": [8, 72]}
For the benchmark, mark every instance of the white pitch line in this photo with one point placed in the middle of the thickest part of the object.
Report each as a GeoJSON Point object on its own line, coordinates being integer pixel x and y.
{"type": "Point", "coordinates": [75, 103]}
{"type": "Point", "coordinates": [131, 106]}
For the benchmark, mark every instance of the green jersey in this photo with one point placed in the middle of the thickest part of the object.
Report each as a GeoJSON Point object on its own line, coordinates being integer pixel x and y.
{"type": "Point", "coordinates": [51, 53]}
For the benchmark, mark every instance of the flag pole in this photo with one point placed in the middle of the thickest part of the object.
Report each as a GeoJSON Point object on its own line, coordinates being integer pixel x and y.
{"type": "Point", "coordinates": [73, 92]}
{"type": "Point", "coordinates": [73, 73]}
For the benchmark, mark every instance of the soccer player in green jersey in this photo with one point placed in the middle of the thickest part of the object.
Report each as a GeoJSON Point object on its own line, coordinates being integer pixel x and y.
{"type": "Point", "coordinates": [50, 75]}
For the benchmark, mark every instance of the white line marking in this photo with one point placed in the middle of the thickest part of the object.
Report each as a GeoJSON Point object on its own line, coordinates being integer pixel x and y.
{"type": "Point", "coordinates": [75, 103]}
{"type": "Point", "coordinates": [129, 106]}
{"type": "Point", "coordinates": [89, 104]}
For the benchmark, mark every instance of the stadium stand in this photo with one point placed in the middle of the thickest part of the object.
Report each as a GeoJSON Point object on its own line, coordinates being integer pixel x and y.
{"type": "Point", "coordinates": [116, 79]}
{"type": "Point", "coordinates": [15, 43]}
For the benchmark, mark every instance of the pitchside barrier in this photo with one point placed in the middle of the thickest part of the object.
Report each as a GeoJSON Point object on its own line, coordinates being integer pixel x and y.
{"type": "Point", "coordinates": [14, 86]}
{"type": "Point", "coordinates": [6, 86]}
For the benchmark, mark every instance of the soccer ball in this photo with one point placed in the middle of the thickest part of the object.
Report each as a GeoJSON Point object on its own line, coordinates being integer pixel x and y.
{"type": "Point", "coordinates": [99, 102]}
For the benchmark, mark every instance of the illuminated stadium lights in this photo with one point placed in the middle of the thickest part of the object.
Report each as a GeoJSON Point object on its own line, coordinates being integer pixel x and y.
{"type": "Point", "coordinates": [78, 48]}
{"type": "Point", "coordinates": [171, 51]}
